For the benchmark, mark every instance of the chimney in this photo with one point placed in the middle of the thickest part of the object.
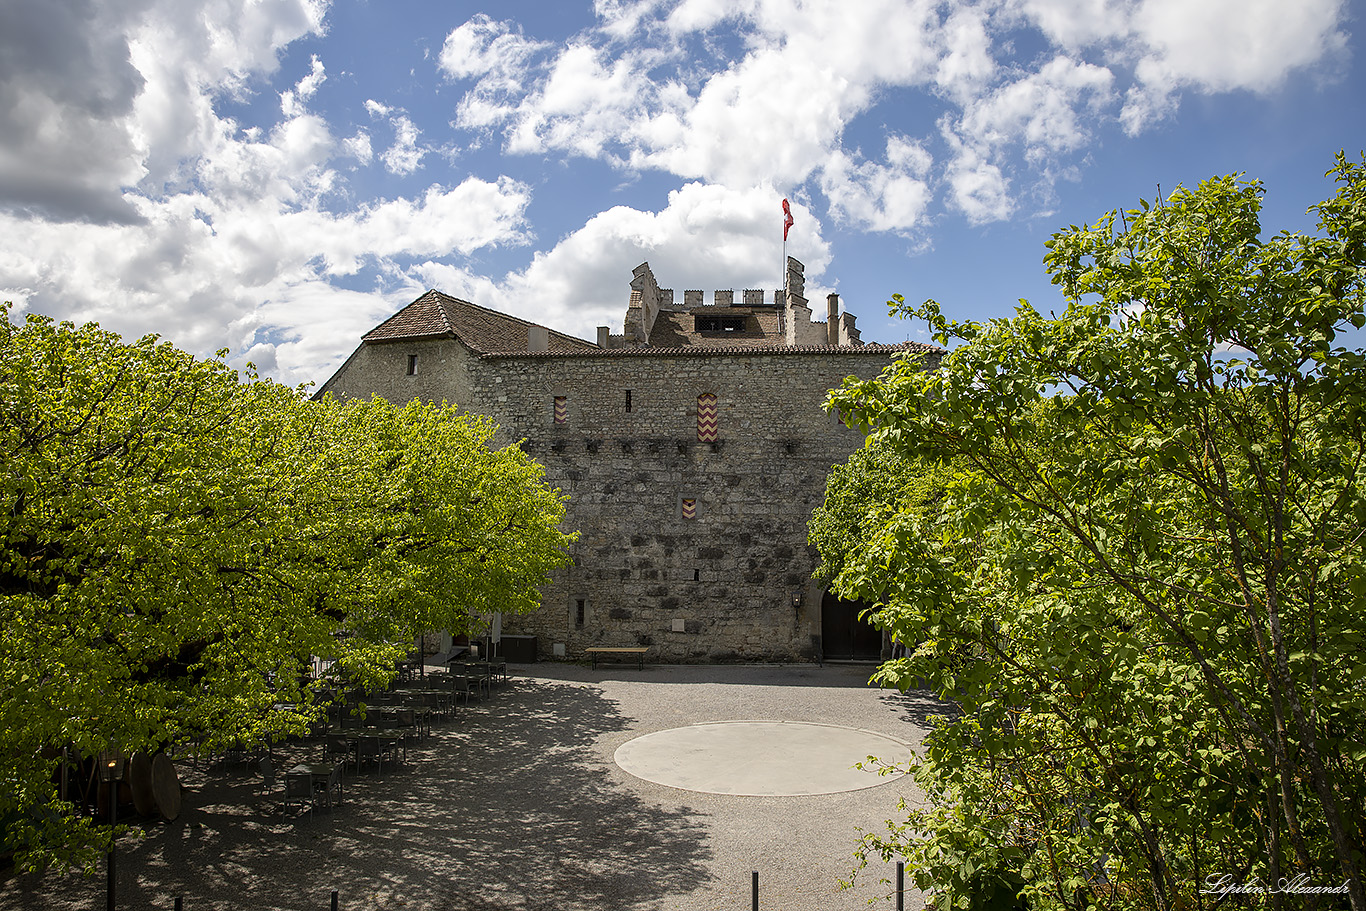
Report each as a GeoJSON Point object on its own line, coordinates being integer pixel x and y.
{"type": "Point", "coordinates": [537, 339]}
{"type": "Point", "coordinates": [604, 333]}
{"type": "Point", "coordinates": [832, 318]}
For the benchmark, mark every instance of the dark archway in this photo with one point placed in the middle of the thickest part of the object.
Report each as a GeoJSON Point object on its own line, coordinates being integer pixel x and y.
{"type": "Point", "coordinates": [844, 636]}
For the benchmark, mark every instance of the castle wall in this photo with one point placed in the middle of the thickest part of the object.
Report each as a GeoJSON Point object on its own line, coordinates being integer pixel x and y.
{"type": "Point", "coordinates": [731, 581]}
{"type": "Point", "coordinates": [442, 372]}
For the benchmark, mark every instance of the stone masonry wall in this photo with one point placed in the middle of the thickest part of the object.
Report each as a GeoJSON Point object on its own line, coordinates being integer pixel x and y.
{"type": "Point", "coordinates": [381, 369]}
{"type": "Point", "coordinates": [734, 581]}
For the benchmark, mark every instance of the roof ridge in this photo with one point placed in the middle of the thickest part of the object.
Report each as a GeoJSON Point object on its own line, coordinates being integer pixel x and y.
{"type": "Point", "coordinates": [500, 315]}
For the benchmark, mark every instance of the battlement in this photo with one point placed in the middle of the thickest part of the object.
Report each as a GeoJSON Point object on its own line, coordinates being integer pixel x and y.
{"type": "Point", "coordinates": [656, 318]}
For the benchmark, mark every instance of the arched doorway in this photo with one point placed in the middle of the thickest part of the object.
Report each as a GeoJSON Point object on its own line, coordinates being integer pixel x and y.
{"type": "Point", "coordinates": [844, 635]}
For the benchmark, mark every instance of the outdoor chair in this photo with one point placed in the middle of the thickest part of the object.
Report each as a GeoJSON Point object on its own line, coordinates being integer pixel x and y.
{"type": "Point", "coordinates": [338, 749]}
{"type": "Point", "coordinates": [370, 749]}
{"type": "Point", "coordinates": [267, 775]}
{"type": "Point", "coordinates": [299, 789]}
{"type": "Point", "coordinates": [462, 685]}
{"type": "Point", "coordinates": [407, 723]}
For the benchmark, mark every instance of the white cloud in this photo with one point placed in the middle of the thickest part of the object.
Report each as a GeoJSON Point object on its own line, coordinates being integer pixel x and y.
{"type": "Point", "coordinates": [1209, 46]}
{"type": "Point", "coordinates": [634, 92]}
{"type": "Point", "coordinates": [209, 233]}
{"type": "Point", "coordinates": [482, 46]}
{"type": "Point", "coordinates": [808, 70]}
{"type": "Point", "coordinates": [292, 101]}
{"type": "Point", "coordinates": [966, 65]}
{"type": "Point", "coordinates": [1075, 24]}
{"type": "Point", "coordinates": [1043, 110]}
{"type": "Point", "coordinates": [500, 58]}
{"type": "Point", "coordinates": [977, 188]}
{"type": "Point", "coordinates": [583, 105]}
{"type": "Point", "coordinates": [358, 147]}
{"type": "Point", "coordinates": [403, 157]}
{"type": "Point", "coordinates": [1226, 45]}
{"type": "Point", "coordinates": [127, 196]}
{"type": "Point", "coordinates": [707, 236]}
{"type": "Point", "coordinates": [890, 197]}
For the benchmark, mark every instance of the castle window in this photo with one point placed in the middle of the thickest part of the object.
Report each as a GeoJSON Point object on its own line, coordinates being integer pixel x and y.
{"type": "Point", "coordinates": [580, 609]}
{"type": "Point", "coordinates": [687, 508]}
{"type": "Point", "coordinates": [628, 401]}
{"type": "Point", "coordinates": [718, 323]}
{"type": "Point", "coordinates": [561, 409]}
{"type": "Point", "coordinates": [412, 365]}
{"type": "Point", "coordinates": [706, 418]}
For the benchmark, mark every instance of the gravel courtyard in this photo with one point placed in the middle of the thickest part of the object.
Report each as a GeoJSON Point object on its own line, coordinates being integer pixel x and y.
{"type": "Point", "coordinates": [518, 804]}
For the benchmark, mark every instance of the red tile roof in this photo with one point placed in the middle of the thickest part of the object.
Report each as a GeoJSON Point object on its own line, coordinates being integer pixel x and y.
{"type": "Point", "coordinates": [436, 315]}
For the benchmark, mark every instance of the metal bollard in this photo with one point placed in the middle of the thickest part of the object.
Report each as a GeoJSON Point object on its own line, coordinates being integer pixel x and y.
{"type": "Point", "coordinates": [900, 886]}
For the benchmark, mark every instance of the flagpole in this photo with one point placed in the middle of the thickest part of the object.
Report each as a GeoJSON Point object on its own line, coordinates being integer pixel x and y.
{"type": "Point", "coordinates": [787, 223]}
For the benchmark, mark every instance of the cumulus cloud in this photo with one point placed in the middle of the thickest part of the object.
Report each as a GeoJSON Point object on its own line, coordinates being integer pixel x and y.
{"type": "Point", "coordinates": [169, 217]}
{"type": "Point", "coordinates": [403, 157]}
{"type": "Point", "coordinates": [807, 72]}
{"type": "Point", "coordinates": [292, 101]}
{"type": "Point", "coordinates": [633, 91]}
{"type": "Point", "coordinates": [128, 196]}
{"type": "Point", "coordinates": [500, 57]}
{"type": "Point", "coordinates": [880, 197]}
{"type": "Point", "coordinates": [67, 86]}
{"type": "Point", "coordinates": [707, 236]}
{"type": "Point", "coordinates": [1207, 47]}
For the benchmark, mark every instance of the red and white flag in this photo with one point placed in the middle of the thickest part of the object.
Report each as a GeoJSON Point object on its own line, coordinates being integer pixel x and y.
{"type": "Point", "coordinates": [787, 218]}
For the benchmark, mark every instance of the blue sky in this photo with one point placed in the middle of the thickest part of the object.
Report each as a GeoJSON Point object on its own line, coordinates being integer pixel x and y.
{"type": "Point", "coordinates": [275, 177]}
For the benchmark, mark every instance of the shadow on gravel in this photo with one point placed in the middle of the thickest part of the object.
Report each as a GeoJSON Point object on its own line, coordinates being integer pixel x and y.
{"type": "Point", "coordinates": [507, 806]}
{"type": "Point", "coordinates": [920, 707]}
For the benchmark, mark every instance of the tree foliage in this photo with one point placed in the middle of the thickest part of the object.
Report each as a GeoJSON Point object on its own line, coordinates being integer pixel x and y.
{"type": "Point", "coordinates": [1154, 553]}
{"type": "Point", "coordinates": [178, 544]}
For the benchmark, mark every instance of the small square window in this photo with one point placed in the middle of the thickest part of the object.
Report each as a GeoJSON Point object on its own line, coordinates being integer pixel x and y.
{"type": "Point", "coordinates": [412, 365]}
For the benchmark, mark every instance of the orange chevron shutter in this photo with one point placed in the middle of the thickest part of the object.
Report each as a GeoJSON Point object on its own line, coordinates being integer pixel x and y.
{"type": "Point", "coordinates": [561, 409]}
{"type": "Point", "coordinates": [706, 418]}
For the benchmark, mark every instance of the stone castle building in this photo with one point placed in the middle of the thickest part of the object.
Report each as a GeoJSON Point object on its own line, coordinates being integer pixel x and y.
{"type": "Point", "coordinates": [693, 448]}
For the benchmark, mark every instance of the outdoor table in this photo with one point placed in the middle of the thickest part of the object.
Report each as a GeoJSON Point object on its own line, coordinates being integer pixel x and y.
{"type": "Point", "coordinates": [386, 741]}
{"type": "Point", "coordinates": [324, 776]}
{"type": "Point", "coordinates": [478, 670]}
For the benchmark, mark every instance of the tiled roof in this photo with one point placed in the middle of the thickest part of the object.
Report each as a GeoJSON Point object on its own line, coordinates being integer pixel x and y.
{"type": "Point", "coordinates": [436, 315]}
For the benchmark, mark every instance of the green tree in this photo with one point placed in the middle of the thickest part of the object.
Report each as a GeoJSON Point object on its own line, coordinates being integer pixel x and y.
{"type": "Point", "coordinates": [1155, 551]}
{"type": "Point", "coordinates": [178, 544]}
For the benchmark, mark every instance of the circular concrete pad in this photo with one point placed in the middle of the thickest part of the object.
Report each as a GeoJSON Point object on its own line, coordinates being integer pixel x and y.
{"type": "Point", "coordinates": [760, 758]}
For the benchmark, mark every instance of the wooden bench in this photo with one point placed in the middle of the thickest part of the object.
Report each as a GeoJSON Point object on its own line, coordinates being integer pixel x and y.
{"type": "Point", "coordinates": [596, 653]}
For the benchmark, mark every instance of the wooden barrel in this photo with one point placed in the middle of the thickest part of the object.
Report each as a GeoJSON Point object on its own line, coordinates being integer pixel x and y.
{"type": "Point", "coordinates": [165, 786]}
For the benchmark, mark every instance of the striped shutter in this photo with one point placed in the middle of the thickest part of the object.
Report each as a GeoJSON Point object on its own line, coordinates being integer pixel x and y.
{"type": "Point", "coordinates": [561, 409]}
{"type": "Point", "coordinates": [706, 418]}
{"type": "Point", "coordinates": [689, 508]}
